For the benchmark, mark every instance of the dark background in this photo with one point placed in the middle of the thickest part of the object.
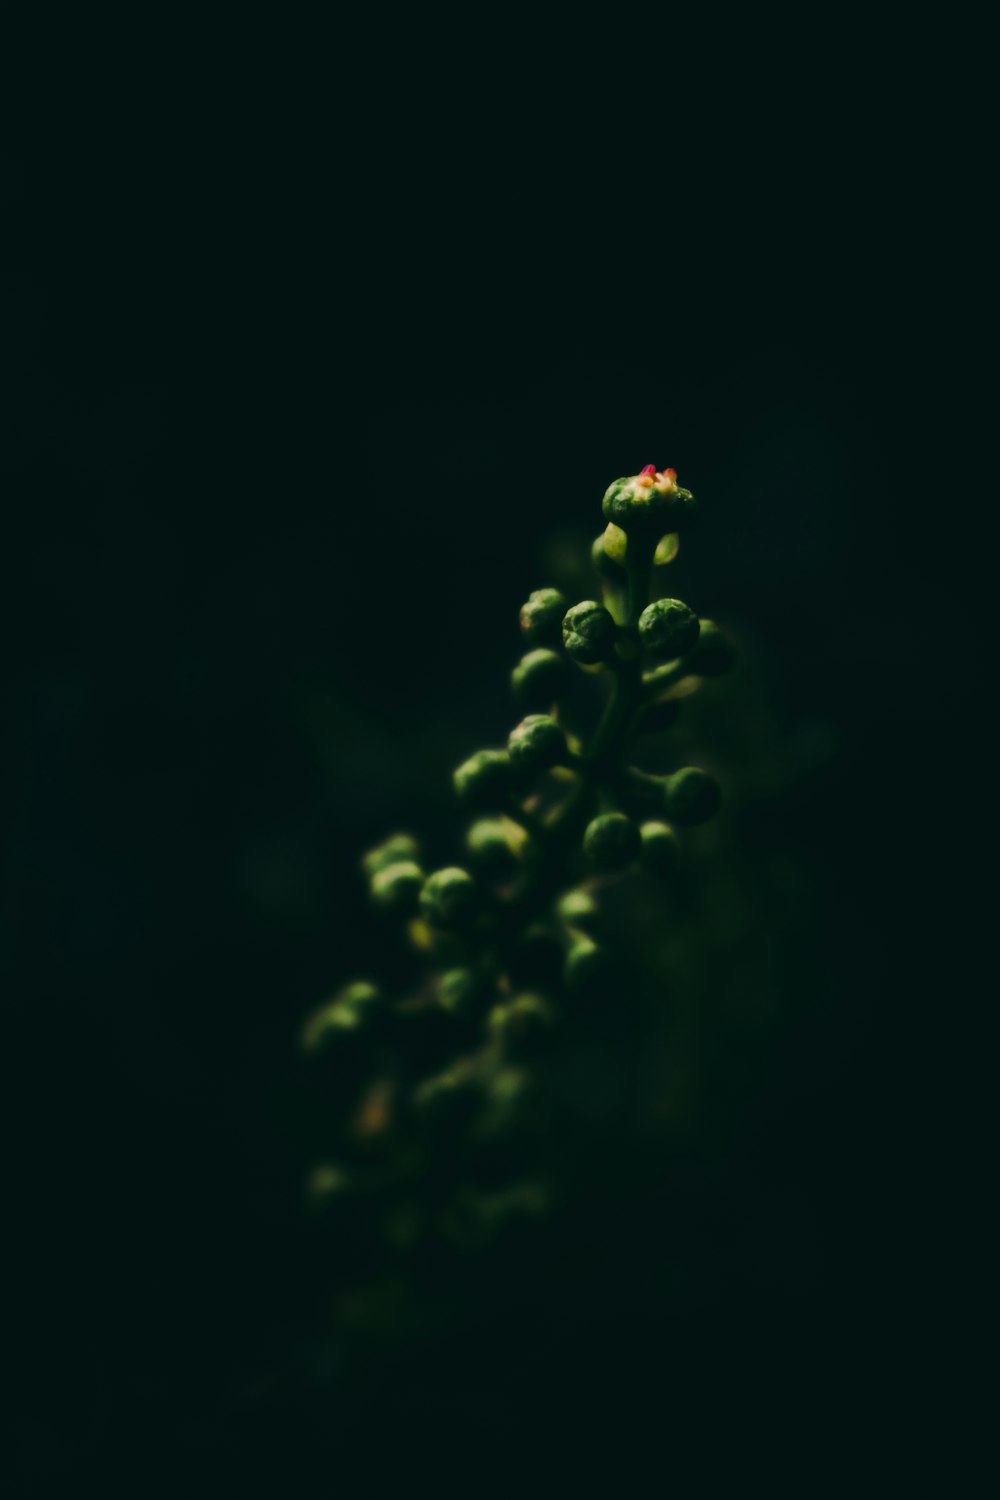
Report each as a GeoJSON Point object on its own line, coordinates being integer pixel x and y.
{"type": "Point", "coordinates": [281, 453]}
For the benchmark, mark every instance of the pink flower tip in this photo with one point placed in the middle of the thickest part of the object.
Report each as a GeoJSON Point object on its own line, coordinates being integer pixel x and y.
{"type": "Point", "coordinates": [650, 469]}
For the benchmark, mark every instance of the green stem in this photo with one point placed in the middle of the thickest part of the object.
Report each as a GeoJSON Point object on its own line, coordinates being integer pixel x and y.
{"type": "Point", "coordinates": [601, 763]}
{"type": "Point", "coordinates": [655, 682]}
{"type": "Point", "coordinates": [638, 566]}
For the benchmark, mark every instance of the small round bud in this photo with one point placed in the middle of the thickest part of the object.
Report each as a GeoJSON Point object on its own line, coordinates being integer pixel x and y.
{"type": "Point", "coordinates": [579, 910]}
{"type": "Point", "coordinates": [484, 780]}
{"type": "Point", "coordinates": [660, 716]}
{"type": "Point", "coordinates": [667, 628]}
{"type": "Point", "coordinates": [692, 796]}
{"type": "Point", "coordinates": [523, 1024]}
{"type": "Point", "coordinates": [587, 965]}
{"type": "Point", "coordinates": [538, 679]}
{"type": "Point", "coordinates": [589, 632]}
{"type": "Point", "coordinates": [393, 850]}
{"type": "Point", "coordinates": [345, 1013]}
{"type": "Point", "coordinates": [450, 897]}
{"type": "Point", "coordinates": [714, 653]}
{"type": "Point", "coordinates": [494, 844]}
{"type": "Point", "coordinates": [611, 841]}
{"type": "Point", "coordinates": [660, 847]}
{"type": "Point", "coordinates": [397, 887]}
{"type": "Point", "coordinates": [448, 1099]}
{"type": "Point", "coordinates": [541, 616]}
{"type": "Point", "coordinates": [329, 1185]}
{"type": "Point", "coordinates": [511, 1100]}
{"type": "Point", "coordinates": [651, 502]}
{"type": "Point", "coordinates": [458, 991]}
{"type": "Point", "coordinates": [536, 743]}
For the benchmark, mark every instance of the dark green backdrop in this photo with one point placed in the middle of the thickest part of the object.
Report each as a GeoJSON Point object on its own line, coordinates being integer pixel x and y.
{"type": "Point", "coordinates": [246, 427]}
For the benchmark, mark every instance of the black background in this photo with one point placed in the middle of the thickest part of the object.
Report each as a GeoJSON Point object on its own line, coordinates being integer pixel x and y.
{"type": "Point", "coordinates": [284, 438]}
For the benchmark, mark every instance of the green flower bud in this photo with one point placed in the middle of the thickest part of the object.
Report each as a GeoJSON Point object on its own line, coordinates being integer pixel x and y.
{"type": "Point", "coordinates": [458, 990]}
{"type": "Point", "coordinates": [650, 501]}
{"type": "Point", "coordinates": [667, 628]}
{"type": "Point", "coordinates": [495, 845]}
{"type": "Point", "coordinates": [339, 1017]}
{"type": "Point", "coordinates": [538, 679]}
{"type": "Point", "coordinates": [523, 1024]}
{"type": "Point", "coordinates": [447, 1098]}
{"type": "Point", "coordinates": [588, 965]}
{"type": "Point", "coordinates": [485, 779]}
{"type": "Point", "coordinates": [611, 841]}
{"type": "Point", "coordinates": [397, 886]}
{"type": "Point", "coordinates": [692, 796]}
{"type": "Point", "coordinates": [511, 1098]}
{"type": "Point", "coordinates": [660, 847]}
{"type": "Point", "coordinates": [589, 632]}
{"type": "Point", "coordinates": [578, 909]}
{"type": "Point", "coordinates": [714, 653]}
{"type": "Point", "coordinates": [541, 616]}
{"type": "Point", "coordinates": [398, 847]}
{"type": "Point", "coordinates": [329, 1184]}
{"type": "Point", "coordinates": [658, 717]}
{"type": "Point", "coordinates": [450, 897]}
{"type": "Point", "coordinates": [536, 743]}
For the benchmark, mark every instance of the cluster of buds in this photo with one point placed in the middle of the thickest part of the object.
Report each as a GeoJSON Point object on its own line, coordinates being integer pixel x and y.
{"type": "Point", "coordinates": [445, 1096]}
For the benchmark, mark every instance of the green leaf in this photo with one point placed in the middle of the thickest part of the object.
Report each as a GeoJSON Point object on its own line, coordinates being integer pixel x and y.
{"type": "Point", "coordinates": [667, 549]}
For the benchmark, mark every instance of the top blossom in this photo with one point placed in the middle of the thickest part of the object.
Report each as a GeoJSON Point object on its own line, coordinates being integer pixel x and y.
{"type": "Point", "coordinates": [652, 494]}
{"type": "Point", "coordinates": [664, 481]}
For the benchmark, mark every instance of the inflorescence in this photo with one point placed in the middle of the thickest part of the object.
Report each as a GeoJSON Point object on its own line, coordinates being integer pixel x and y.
{"type": "Point", "coordinates": [448, 1112]}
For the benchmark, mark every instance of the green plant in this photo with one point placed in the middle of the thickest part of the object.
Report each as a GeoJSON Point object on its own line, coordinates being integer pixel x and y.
{"type": "Point", "coordinates": [489, 1095]}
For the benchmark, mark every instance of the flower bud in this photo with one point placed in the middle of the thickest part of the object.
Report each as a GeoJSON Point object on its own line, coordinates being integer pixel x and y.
{"type": "Point", "coordinates": [393, 850]}
{"type": "Point", "coordinates": [589, 632]}
{"type": "Point", "coordinates": [329, 1185]}
{"type": "Point", "coordinates": [536, 743]}
{"type": "Point", "coordinates": [538, 679]}
{"type": "Point", "coordinates": [611, 841]}
{"type": "Point", "coordinates": [511, 1099]}
{"type": "Point", "coordinates": [650, 501]}
{"type": "Point", "coordinates": [397, 886]}
{"type": "Point", "coordinates": [541, 616]}
{"type": "Point", "coordinates": [523, 1024]}
{"type": "Point", "coordinates": [588, 965]}
{"type": "Point", "coordinates": [660, 847]}
{"type": "Point", "coordinates": [667, 628]}
{"type": "Point", "coordinates": [714, 653]}
{"type": "Point", "coordinates": [447, 1099]}
{"type": "Point", "coordinates": [692, 797]}
{"type": "Point", "coordinates": [579, 910]}
{"type": "Point", "coordinates": [494, 845]}
{"type": "Point", "coordinates": [345, 1013]}
{"type": "Point", "coordinates": [450, 897]}
{"type": "Point", "coordinates": [484, 780]}
{"type": "Point", "coordinates": [458, 990]}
